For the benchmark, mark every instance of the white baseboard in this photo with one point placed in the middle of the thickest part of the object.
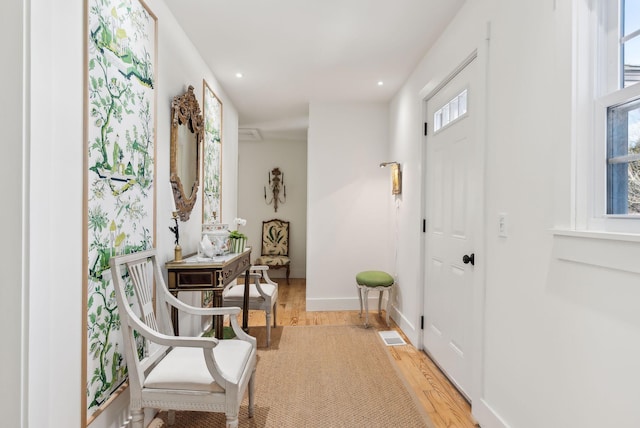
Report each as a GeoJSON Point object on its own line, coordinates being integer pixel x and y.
{"type": "Point", "coordinates": [486, 416]}
{"type": "Point", "coordinates": [408, 328]}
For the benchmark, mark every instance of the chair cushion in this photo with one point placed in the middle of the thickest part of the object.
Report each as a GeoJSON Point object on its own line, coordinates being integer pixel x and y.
{"type": "Point", "coordinates": [374, 278]}
{"type": "Point", "coordinates": [237, 292]}
{"type": "Point", "coordinates": [273, 260]}
{"type": "Point", "coordinates": [185, 368]}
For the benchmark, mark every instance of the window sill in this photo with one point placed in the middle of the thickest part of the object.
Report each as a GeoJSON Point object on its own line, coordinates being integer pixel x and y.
{"type": "Point", "coordinates": [618, 251]}
{"type": "Point", "coordinates": [590, 234]}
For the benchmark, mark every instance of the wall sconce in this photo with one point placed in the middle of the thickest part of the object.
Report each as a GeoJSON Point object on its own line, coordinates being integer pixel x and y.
{"type": "Point", "coordinates": [396, 177]}
{"type": "Point", "coordinates": [276, 181]}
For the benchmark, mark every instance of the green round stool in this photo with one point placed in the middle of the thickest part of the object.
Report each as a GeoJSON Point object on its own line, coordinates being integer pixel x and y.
{"type": "Point", "coordinates": [374, 280]}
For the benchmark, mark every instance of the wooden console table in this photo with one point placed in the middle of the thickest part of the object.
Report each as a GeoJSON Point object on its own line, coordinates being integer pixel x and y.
{"type": "Point", "coordinates": [197, 274]}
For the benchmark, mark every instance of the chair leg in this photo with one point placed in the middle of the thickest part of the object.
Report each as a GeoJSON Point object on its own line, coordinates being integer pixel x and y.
{"type": "Point", "coordinates": [137, 418]}
{"type": "Point", "coordinates": [380, 302]}
{"type": "Point", "coordinates": [251, 393]}
{"type": "Point", "coordinates": [288, 268]}
{"type": "Point", "coordinates": [388, 303]}
{"type": "Point", "coordinates": [366, 306]}
{"type": "Point", "coordinates": [360, 299]}
{"type": "Point", "coordinates": [275, 308]}
{"type": "Point", "coordinates": [268, 314]}
{"type": "Point", "coordinates": [171, 417]}
{"type": "Point", "coordinates": [232, 421]}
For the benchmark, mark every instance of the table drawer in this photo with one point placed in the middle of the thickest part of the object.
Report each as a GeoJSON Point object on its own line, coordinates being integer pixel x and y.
{"type": "Point", "coordinates": [195, 279]}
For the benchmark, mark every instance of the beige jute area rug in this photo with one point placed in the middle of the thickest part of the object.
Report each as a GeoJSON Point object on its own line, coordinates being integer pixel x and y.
{"type": "Point", "coordinates": [322, 376]}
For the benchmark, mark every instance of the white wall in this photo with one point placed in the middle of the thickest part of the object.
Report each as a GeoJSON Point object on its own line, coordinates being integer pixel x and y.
{"type": "Point", "coordinates": [348, 200]}
{"type": "Point", "coordinates": [56, 212]}
{"type": "Point", "coordinates": [12, 260]}
{"type": "Point", "coordinates": [561, 338]}
{"type": "Point", "coordinates": [256, 159]}
{"type": "Point", "coordinates": [180, 65]}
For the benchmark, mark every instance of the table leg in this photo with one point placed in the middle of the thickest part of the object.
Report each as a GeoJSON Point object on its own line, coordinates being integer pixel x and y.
{"type": "Point", "coordinates": [174, 317]}
{"type": "Point", "coordinates": [245, 302]}
{"type": "Point", "coordinates": [218, 320]}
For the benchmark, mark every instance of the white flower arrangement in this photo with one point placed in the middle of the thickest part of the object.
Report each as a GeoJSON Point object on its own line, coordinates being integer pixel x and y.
{"type": "Point", "coordinates": [239, 221]}
{"type": "Point", "coordinates": [238, 240]}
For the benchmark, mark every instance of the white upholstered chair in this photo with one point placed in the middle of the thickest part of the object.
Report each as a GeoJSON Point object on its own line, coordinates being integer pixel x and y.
{"type": "Point", "coordinates": [263, 295]}
{"type": "Point", "coordinates": [177, 372]}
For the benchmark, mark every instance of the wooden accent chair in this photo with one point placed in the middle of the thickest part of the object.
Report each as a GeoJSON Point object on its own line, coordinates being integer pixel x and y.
{"type": "Point", "coordinates": [263, 295]}
{"type": "Point", "coordinates": [177, 372]}
{"type": "Point", "coordinates": [275, 245]}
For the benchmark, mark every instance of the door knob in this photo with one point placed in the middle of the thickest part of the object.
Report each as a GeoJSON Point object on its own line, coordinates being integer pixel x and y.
{"type": "Point", "coordinates": [469, 258]}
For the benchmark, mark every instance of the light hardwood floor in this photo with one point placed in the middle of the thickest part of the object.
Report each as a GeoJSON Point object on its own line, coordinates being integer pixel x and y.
{"type": "Point", "coordinates": [443, 403]}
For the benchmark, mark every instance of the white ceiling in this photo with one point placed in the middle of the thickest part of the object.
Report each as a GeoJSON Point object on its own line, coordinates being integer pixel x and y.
{"type": "Point", "coordinates": [292, 52]}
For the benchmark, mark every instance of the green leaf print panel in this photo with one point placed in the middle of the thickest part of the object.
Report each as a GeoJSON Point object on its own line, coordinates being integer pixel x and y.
{"type": "Point", "coordinates": [120, 135]}
{"type": "Point", "coordinates": [212, 205]}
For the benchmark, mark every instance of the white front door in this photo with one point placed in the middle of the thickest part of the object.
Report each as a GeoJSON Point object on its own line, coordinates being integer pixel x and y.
{"type": "Point", "coordinates": [452, 199]}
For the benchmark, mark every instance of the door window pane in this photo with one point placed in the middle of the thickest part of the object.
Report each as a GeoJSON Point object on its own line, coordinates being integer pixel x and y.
{"type": "Point", "coordinates": [437, 119]}
{"type": "Point", "coordinates": [445, 115]}
{"type": "Point", "coordinates": [454, 108]}
{"type": "Point", "coordinates": [462, 106]}
{"type": "Point", "coordinates": [451, 111]}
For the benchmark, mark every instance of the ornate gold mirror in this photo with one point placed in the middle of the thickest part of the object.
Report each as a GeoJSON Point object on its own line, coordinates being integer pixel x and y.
{"type": "Point", "coordinates": [187, 131]}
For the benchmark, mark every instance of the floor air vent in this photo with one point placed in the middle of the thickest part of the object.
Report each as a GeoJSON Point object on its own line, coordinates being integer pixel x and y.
{"type": "Point", "coordinates": [391, 338]}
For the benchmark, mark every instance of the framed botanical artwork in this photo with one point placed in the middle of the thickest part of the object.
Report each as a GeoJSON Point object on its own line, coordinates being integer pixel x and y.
{"type": "Point", "coordinates": [119, 177]}
{"type": "Point", "coordinates": [212, 157]}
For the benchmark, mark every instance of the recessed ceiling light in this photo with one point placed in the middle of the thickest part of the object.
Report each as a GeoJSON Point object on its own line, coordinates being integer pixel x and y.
{"type": "Point", "coordinates": [380, 83]}
{"type": "Point", "coordinates": [239, 75]}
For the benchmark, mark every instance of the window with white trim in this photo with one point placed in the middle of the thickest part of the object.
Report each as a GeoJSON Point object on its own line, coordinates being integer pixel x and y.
{"type": "Point", "coordinates": [614, 200]}
{"type": "Point", "coordinates": [623, 119]}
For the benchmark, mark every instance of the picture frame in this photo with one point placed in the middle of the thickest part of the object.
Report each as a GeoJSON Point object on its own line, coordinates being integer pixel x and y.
{"type": "Point", "coordinates": [119, 187]}
{"type": "Point", "coordinates": [212, 157]}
